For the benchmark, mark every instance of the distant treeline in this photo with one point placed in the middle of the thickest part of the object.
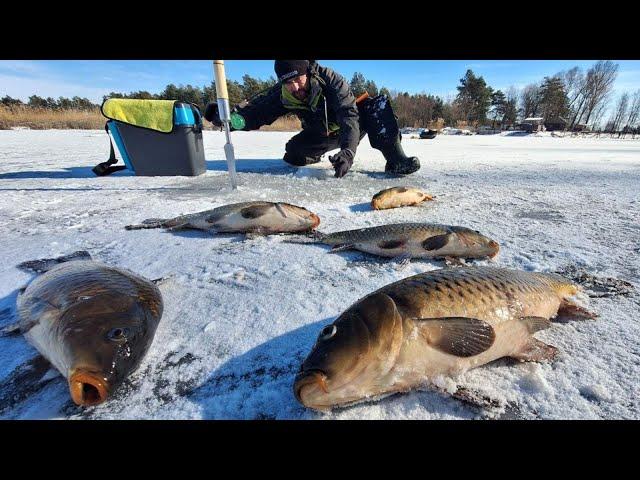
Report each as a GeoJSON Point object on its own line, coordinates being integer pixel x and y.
{"type": "Point", "coordinates": [62, 103]}
{"type": "Point", "coordinates": [570, 100]}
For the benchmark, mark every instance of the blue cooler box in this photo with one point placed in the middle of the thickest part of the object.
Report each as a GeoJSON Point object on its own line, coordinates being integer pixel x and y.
{"type": "Point", "coordinates": [151, 153]}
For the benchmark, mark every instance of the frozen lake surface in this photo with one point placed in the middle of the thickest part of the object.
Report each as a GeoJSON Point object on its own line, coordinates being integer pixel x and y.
{"type": "Point", "coordinates": [241, 314]}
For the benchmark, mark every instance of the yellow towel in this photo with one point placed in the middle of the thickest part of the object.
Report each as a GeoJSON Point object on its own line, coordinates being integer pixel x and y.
{"type": "Point", "coordinates": [153, 114]}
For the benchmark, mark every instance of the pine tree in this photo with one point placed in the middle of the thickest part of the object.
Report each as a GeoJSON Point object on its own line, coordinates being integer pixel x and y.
{"type": "Point", "coordinates": [371, 88]}
{"type": "Point", "coordinates": [554, 103]}
{"type": "Point", "coordinates": [358, 84]}
{"type": "Point", "coordinates": [251, 86]}
{"type": "Point", "coordinates": [511, 112]}
{"type": "Point", "coordinates": [10, 102]}
{"type": "Point", "coordinates": [498, 106]}
{"type": "Point", "coordinates": [474, 97]}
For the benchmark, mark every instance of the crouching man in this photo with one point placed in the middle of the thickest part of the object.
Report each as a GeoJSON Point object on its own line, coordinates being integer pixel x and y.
{"type": "Point", "coordinates": [330, 118]}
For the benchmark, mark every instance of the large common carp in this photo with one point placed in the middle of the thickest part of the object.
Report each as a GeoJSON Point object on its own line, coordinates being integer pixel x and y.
{"type": "Point", "coordinates": [92, 321]}
{"type": "Point", "coordinates": [416, 240]}
{"type": "Point", "coordinates": [246, 217]}
{"type": "Point", "coordinates": [398, 197]}
{"type": "Point", "coordinates": [443, 322]}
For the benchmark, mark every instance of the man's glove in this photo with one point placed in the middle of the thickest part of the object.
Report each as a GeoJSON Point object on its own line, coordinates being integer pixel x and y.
{"type": "Point", "coordinates": [212, 114]}
{"type": "Point", "coordinates": [342, 162]}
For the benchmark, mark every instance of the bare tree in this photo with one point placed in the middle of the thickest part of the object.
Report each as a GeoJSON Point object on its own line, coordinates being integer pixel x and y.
{"type": "Point", "coordinates": [621, 112]}
{"type": "Point", "coordinates": [597, 117]}
{"type": "Point", "coordinates": [530, 98]}
{"type": "Point", "coordinates": [576, 87]}
{"type": "Point", "coordinates": [599, 83]}
{"type": "Point", "coordinates": [634, 111]}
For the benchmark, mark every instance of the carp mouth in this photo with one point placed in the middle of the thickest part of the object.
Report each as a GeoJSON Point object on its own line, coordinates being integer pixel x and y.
{"type": "Point", "coordinates": [309, 378]}
{"type": "Point", "coordinates": [495, 246]}
{"type": "Point", "coordinates": [87, 388]}
{"type": "Point", "coordinates": [316, 221]}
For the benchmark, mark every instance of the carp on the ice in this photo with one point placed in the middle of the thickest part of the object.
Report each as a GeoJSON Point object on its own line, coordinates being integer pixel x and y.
{"type": "Point", "coordinates": [92, 321]}
{"type": "Point", "coordinates": [443, 322]}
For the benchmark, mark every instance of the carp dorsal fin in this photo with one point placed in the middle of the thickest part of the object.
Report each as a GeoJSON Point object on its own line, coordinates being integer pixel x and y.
{"type": "Point", "coordinates": [459, 336]}
{"type": "Point", "coordinates": [255, 211]}
{"type": "Point", "coordinates": [535, 324]}
{"type": "Point", "coordinates": [436, 242]}
{"type": "Point", "coordinates": [281, 210]}
{"type": "Point", "coordinates": [46, 264]}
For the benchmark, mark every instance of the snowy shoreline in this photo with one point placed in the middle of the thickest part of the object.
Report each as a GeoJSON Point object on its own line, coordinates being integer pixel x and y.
{"type": "Point", "coordinates": [241, 314]}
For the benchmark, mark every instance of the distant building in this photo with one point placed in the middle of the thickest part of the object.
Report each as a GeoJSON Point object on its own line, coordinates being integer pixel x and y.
{"type": "Point", "coordinates": [555, 124]}
{"type": "Point", "coordinates": [533, 124]}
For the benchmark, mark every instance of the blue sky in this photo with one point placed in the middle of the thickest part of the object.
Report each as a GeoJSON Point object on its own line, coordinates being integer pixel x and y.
{"type": "Point", "coordinates": [94, 78]}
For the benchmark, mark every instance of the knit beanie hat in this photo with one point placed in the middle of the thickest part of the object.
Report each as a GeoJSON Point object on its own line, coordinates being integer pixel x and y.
{"type": "Point", "coordinates": [287, 69]}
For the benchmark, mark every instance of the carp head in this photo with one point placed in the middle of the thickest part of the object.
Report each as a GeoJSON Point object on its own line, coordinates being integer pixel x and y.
{"type": "Point", "coordinates": [104, 338]}
{"type": "Point", "coordinates": [352, 355]}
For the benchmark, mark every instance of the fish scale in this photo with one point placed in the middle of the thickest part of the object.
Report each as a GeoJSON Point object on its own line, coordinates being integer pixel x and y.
{"type": "Point", "coordinates": [481, 288]}
{"type": "Point", "coordinates": [92, 321]}
{"type": "Point", "coordinates": [244, 217]}
{"type": "Point", "coordinates": [384, 232]}
{"type": "Point", "coordinates": [416, 240]}
{"type": "Point", "coordinates": [439, 323]}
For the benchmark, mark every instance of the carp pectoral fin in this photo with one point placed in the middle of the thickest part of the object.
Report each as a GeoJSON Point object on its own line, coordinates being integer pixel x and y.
{"type": "Point", "coordinates": [255, 211]}
{"type": "Point", "coordinates": [436, 242]}
{"type": "Point", "coordinates": [475, 399]}
{"type": "Point", "coordinates": [402, 261]}
{"type": "Point", "coordinates": [535, 324]}
{"type": "Point", "coordinates": [340, 248]}
{"type": "Point", "coordinates": [455, 261]}
{"type": "Point", "coordinates": [12, 329]}
{"type": "Point", "coordinates": [536, 351]}
{"type": "Point", "coordinates": [572, 311]}
{"type": "Point", "coordinates": [25, 380]}
{"type": "Point", "coordinates": [46, 264]}
{"type": "Point", "coordinates": [459, 336]}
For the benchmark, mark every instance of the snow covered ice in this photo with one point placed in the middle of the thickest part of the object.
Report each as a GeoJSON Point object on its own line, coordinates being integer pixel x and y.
{"type": "Point", "coordinates": [241, 314]}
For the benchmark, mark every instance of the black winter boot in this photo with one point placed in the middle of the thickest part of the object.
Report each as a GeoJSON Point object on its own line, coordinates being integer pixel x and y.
{"type": "Point", "coordinates": [300, 161]}
{"type": "Point", "coordinates": [397, 162]}
{"type": "Point", "coordinates": [380, 123]}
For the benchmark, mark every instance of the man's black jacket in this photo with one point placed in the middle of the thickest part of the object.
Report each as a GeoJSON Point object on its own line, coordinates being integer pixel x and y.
{"type": "Point", "coordinates": [330, 107]}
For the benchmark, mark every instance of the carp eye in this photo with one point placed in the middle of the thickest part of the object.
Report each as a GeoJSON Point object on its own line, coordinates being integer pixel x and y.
{"type": "Point", "coordinates": [328, 332]}
{"type": "Point", "coordinates": [118, 334]}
